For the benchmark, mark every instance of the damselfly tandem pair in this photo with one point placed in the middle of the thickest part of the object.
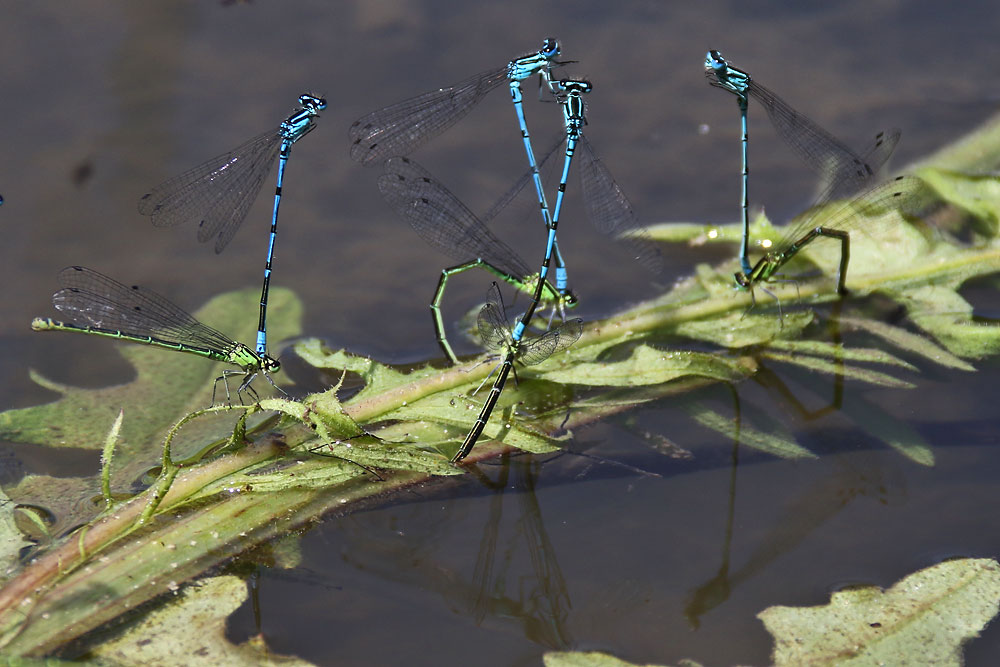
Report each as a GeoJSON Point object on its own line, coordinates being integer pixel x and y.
{"type": "Point", "coordinates": [218, 194]}
{"type": "Point", "coordinates": [843, 171]}
{"type": "Point", "coordinates": [447, 224]}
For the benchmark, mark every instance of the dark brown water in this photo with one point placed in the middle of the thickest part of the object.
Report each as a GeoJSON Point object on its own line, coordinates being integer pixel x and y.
{"type": "Point", "coordinates": [102, 100]}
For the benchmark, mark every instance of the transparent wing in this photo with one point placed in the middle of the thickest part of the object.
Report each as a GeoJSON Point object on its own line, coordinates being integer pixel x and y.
{"type": "Point", "coordinates": [493, 326]}
{"type": "Point", "coordinates": [907, 194]}
{"type": "Point", "coordinates": [441, 219]}
{"type": "Point", "coordinates": [536, 350]}
{"type": "Point", "coordinates": [509, 196]}
{"type": "Point", "coordinates": [400, 128]}
{"type": "Point", "coordinates": [218, 192]}
{"type": "Point", "coordinates": [845, 170]}
{"type": "Point", "coordinates": [97, 300]}
{"type": "Point", "coordinates": [610, 211]}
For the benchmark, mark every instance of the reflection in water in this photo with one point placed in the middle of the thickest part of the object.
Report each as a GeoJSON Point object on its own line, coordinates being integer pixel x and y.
{"type": "Point", "coordinates": [541, 603]}
{"type": "Point", "coordinates": [803, 515]}
{"type": "Point", "coordinates": [770, 380]}
{"type": "Point", "coordinates": [500, 588]}
{"type": "Point", "coordinates": [716, 590]}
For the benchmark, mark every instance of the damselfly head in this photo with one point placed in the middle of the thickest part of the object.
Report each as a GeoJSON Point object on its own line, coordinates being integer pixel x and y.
{"type": "Point", "coordinates": [714, 61]}
{"type": "Point", "coordinates": [550, 48]}
{"type": "Point", "coordinates": [269, 364]}
{"type": "Point", "coordinates": [571, 86]}
{"type": "Point", "coordinates": [311, 102]}
{"type": "Point", "coordinates": [569, 299]}
{"type": "Point", "coordinates": [742, 280]}
{"type": "Point", "coordinates": [723, 75]}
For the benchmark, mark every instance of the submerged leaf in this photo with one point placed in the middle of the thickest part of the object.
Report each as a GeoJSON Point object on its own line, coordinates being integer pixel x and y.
{"type": "Point", "coordinates": [838, 352]}
{"type": "Point", "coordinates": [923, 619]}
{"type": "Point", "coordinates": [11, 539]}
{"type": "Point", "coordinates": [894, 432]}
{"type": "Point", "coordinates": [159, 639]}
{"type": "Point", "coordinates": [50, 506]}
{"type": "Point", "coordinates": [908, 341]}
{"type": "Point", "coordinates": [836, 368]}
{"type": "Point", "coordinates": [777, 444]}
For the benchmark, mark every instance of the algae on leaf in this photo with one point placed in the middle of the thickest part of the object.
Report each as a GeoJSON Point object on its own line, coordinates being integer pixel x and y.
{"type": "Point", "coordinates": [923, 619]}
{"type": "Point", "coordinates": [11, 539]}
{"type": "Point", "coordinates": [598, 659]}
{"type": "Point", "coordinates": [160, 638]}
{"type": "Point", "coordinates": [944, 314]}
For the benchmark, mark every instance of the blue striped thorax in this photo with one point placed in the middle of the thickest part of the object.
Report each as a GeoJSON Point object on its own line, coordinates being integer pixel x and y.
{"type": "Point", "coordinates": [527, 66]}
{"type": "Point", "coordinates": [302, 121]}
{"type": "Point", "coordinates": [573, 105]}
{"type": "Point", "coordinates": [723, 75]}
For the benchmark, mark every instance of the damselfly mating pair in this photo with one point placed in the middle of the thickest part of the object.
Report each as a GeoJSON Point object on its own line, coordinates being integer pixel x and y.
{"type": "Point", "coordinates": [218, 195]}
{"type": "Point", "coordinates": [444, 222]}
{"type": "Point", "coordinates": [843, 171]}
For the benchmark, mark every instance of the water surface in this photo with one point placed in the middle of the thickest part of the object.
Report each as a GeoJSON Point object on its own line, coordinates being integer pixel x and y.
{"type": "Point", "coordinates": [103, 100]}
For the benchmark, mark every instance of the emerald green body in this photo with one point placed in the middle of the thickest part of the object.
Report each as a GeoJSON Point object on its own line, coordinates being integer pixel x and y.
{"type": "Point", "coordinates": [238, 354]}
{"type": "Point", "coordinates": [766, 267]}
{"type": "Point", "coordinates": [550, 295]}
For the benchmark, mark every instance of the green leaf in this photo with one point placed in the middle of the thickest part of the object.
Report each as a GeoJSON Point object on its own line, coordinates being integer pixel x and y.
{"type": "Point", "coordinates": [597, 659]}
{"type": "Point", "coordinates": [835, 368]}
{"type": "Point", "coordinates": [378, 378]}
{"type": "Point", "coordinates": [457, 412]}
{"type": "Point", "coordinates": [11, 539]}
{"type": "Point", "coordinates": [292, 472]}
{"type": "Point", "coordinates": [234, 492]}
{"type": "Point", "coordinates": [107, 455]}
{"type": "Point", "coordinates": [908, 341]}
{"type": "Point", "coordinates": [870, 242]}
{"type": "Point", "coordinates": [694, 233]}
{"type": "Point", "coordinates": [737, 330]}
{"type": "Point", "coordinates": [167, 385]}
{"type": "Point", "coordinates": [393, 456]}
{"type": "Point", "coordinates": [838, 352]}
{"type": "Point", "coordinates": [697, 234]}
{"type": "Point", "coordinates": [977, 194]}
{"type": "Point", "coordinates": [159, 639]}
{"type": "Point", "coordinates": [944, 314]}
{"type": "Point", "coordinates": [777, 444]}
{"type": "Point", "coordinates": [647, 366]}
{"type": "Point", "coordinates": [923, 619]}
